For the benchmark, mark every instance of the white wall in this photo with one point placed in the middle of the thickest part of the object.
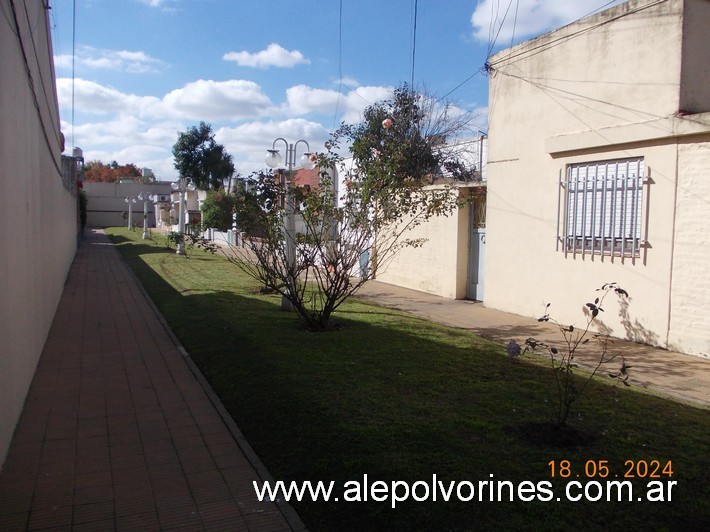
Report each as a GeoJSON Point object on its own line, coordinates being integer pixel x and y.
{"type": "Point", "coordinates": [38, 215]}
{"type": "Point", "coordinates": [107, 205]}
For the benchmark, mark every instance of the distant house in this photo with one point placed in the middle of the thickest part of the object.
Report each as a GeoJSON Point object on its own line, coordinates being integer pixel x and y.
{"type": "Point", "coordinates": [107, 206]}
{"type": "Point", "coordinates": [599, 171]}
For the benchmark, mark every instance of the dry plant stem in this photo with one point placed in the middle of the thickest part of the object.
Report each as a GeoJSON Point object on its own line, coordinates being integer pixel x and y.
{"type": "Point", "coordinates": [567, 392]}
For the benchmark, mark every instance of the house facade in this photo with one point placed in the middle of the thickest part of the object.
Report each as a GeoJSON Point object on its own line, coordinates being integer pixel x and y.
{"type": "Point", "coordinates": [599, 171]}
{"type": "Point", "coordinates": [107, 205]}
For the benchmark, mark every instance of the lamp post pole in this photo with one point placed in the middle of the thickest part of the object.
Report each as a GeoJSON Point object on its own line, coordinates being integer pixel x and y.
{"type": "Point", "coordinates": [273, 160]}
{"type": "Point", "coordinates": [130, 200]}
{"type": "Point", "coordinates": [145, 198]}
{"type": "Point", "coordinates": [182, 185]}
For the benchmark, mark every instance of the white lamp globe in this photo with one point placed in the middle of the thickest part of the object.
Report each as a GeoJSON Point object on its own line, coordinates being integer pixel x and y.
{"type": "Point", "coordinates": [273, 159]}
{"type": "Point", "coordinates": [307, 161]}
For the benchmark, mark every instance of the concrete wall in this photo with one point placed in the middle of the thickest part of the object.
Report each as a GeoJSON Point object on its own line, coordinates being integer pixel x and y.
{"type": "Point", "coordinates": [38, 214]}
{"type": "Point", "coordinates": [695, 70]}
{"type": "Point", "coordinates": [690, 294]}
{"type": "Point", "coordinates": [593, 91]}
{"type": "Point", "coordinates": [107, 206]}
{"type": "Point", "coordinates": [440, 265]}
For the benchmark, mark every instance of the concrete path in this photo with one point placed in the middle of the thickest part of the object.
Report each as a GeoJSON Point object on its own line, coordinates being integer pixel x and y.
{"type": "Point", "coordinates": [119, 430]}
{"type": "Point", "coordinates": [673, 374]}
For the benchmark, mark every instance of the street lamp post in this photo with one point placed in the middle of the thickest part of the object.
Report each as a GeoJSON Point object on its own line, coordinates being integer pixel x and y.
{"type": "Point", "coordinates": [145, 198]}
{"type": "Point", "coordinates": [130, 200]}
{"type": "Point", "coordinates": [273, 160]}
{"type": "Point", "coordinates": [182, 185]}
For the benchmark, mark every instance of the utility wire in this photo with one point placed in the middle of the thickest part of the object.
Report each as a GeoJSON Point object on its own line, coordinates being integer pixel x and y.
{"type": "Point", "coordinates": [492, 43]}
{"type": "Point", "coordinates": [340, 62]}
{"type": "Point", "coordinates": [414, 44]}
{"type": "Point", "coordinates": [73, 69]}
{"type": "Point", "coordinates": [515, 23]}
{"type": "Point", "coordinates": [555, 42]}
{"type": "Point", "coordinates": [55, 127]}
{"type": "Point", "coordinates": [30, 80]}
{"type": "Point", "coordinates": [512, 58]}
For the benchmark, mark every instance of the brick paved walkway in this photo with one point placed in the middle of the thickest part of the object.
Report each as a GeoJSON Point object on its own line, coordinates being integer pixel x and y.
{"type": "Point", "coordinates": [118, 432]}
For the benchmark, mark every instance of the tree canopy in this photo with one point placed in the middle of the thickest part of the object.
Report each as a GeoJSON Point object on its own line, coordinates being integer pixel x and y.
{"type": "Point", "coordinates": [100, 172]}
{"type": "Point", "coordinates": [199, 157]}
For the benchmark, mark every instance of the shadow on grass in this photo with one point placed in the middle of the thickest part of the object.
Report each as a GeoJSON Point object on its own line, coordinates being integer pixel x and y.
{"type": "Point", "coordinates": [400, 399]}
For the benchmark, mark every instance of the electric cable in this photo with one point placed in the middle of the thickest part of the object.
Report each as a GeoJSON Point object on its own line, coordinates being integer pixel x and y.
{"type": "Point", "coordinates": [30, 80]}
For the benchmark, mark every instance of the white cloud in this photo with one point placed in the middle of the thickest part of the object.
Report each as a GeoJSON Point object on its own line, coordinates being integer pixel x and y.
{"type": "Point", "coordinates": [214, 100]}
{"type": "Point", "coordinates": [348, 82]}
{"type": "Point", "coordinates": [198, 100]}
{"type": "Point", "coordinates": [91, 97]}
{"type": "Point", "coordinates": [142, 129]}
{"type": "Point", "coordinates": [248, 142]}
{"type": "Point", "coordinates": [127, 139]}
{"type": "Point", "coordinates": [358, 99]}
{"type": "Point", "coordinates": [273, 55]}
{"type": "Point", "coordinates": [501, 21]}
{"type": "Point", "coordinates": [302, 100]}
{"type": "Point", "coordinates": [134, 62]}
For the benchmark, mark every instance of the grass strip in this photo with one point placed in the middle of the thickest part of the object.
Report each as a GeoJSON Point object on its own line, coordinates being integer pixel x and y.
{"type": "Point", "coordinates": [398, 398]}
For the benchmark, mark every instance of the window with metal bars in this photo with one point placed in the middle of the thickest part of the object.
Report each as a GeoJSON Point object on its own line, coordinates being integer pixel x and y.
{"type": "Point", "coordinates": [602, 208]}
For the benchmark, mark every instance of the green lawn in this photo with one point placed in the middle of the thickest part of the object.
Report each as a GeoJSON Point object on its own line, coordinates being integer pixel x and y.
{"type": "Point", "coordinates": [397, 398]}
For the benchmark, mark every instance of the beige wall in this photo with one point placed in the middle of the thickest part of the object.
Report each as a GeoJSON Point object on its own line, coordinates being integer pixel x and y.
{"type": "Point", "coordinates": [597, 89]}
{"type": "Point", "coordinates": [695, 72]}
{"type": "Point", "coordinates": [690, 294]}
{"type": "Point", "coordinates": [107, 203]}
{"type": "Point", "coordinates": [440, 265]}
{"type": "Point", "coordinates": [38, 215]}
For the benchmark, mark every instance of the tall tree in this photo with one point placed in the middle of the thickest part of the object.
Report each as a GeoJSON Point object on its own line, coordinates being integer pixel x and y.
{"type": "Point", "coordinates": [199, 157]}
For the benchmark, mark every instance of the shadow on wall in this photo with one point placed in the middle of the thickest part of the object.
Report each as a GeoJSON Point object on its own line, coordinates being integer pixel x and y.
{"type": "Point", "coordinates": [634, 330]}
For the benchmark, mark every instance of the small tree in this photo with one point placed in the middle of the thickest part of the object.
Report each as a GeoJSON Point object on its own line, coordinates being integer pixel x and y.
{"type": "Point", "coordinates": [387, 195]}
{"type": "Point", "coordinates": [200, 157]}
{"type": "Point", "coordinates": [218, 210]}
{"type": "Point", "coordinates": [562, 359]}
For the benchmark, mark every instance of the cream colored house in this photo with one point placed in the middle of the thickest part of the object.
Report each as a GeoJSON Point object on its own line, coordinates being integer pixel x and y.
{"type": "Point", "coordinates": [599, 171]}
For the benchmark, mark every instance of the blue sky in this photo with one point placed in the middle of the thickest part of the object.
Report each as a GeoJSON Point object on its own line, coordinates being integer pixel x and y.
{"type": "Point", "coordinates": [256, 70]}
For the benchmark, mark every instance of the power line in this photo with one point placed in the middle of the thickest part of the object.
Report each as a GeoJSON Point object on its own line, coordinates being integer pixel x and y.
{"type": "Point", "coordinates": [457, 87]}
{"type": "Point", "coordinates": [414, 43]}
{"type": "Point", "coordinates": [30, 80]}
{"type": "Point", "coordinates": [73, 69]}
{"type": "Point", "coordinates": [555, 42]}
{"type": "Point", "coordinates": [340, 62]}
{"type": "Point", "coordinates": [491, 44]}
{"type": "Point", "coordinates": [55, 126]}
{"type": "Point", "coordinates": [515, 23]}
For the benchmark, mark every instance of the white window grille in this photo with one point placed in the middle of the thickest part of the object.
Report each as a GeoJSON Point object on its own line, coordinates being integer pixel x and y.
{"type": "Point", "coordinates": [603, 208]}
